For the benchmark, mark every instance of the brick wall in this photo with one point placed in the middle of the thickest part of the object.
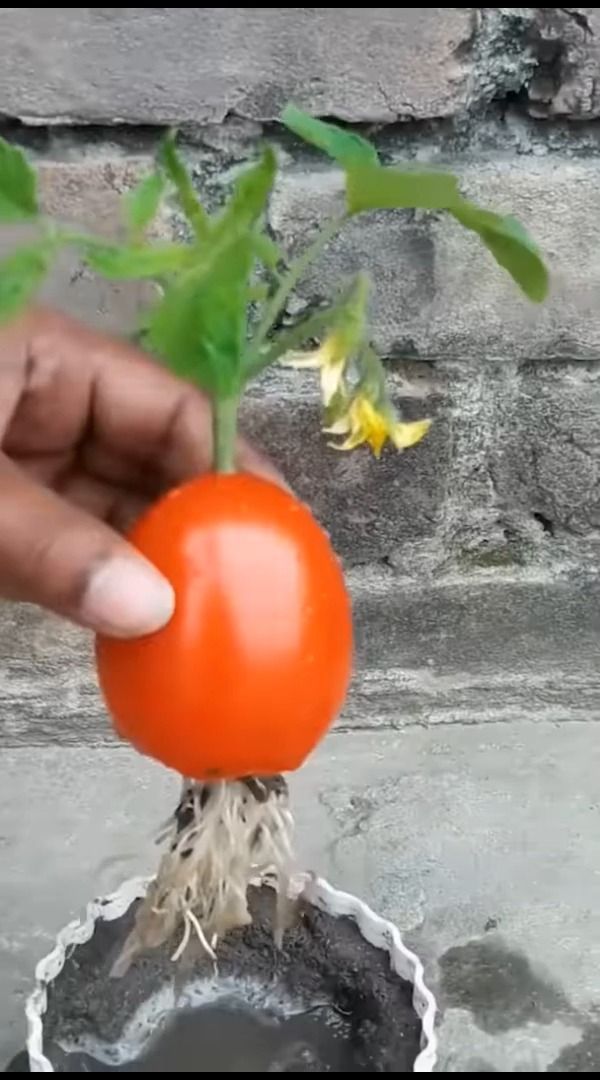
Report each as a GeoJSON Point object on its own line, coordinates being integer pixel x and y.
{"type": "Point", "coordinates": [473, 558]}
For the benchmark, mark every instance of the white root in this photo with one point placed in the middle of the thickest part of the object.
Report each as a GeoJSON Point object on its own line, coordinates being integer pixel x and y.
{"type": "Point", "coordinates": [223, 837]}
{"type": "Point", "coordinates": [179, 951]}
{"type": "Point", "coordinates": [191, 918]}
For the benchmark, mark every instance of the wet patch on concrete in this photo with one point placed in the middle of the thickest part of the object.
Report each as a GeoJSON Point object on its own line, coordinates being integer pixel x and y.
{"type": "Point", "coordinates": [498, 986]}
{"type": "Point", "coordinates": [583, 1056]}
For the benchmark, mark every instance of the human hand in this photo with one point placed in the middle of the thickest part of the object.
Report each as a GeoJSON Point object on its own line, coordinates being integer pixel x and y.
{"type": "Point", "coordinates": [91, 431]}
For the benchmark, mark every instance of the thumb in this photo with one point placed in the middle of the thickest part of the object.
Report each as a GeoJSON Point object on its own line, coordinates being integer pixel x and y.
{"type": "Point", "coordinates": [55, 555]}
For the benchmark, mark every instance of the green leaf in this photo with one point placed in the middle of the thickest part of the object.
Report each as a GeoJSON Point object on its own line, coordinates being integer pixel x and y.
{"type": "Point", "coordinates": [511, 246]}
{"type": "Point", "coordinates": [257, 293]}
{"type": "Point", "coordinates": [266, 250]}
{"type": "Point", "coordinates": [250, 196]}
{"type": "Point", "coordinates": [141, 204]}
{"type": "Point", "coordinates": [18, 199]}
{"type": "Point", "coordinates": [372, 187]}
{"type": "Point", "coordinates": [199, 328]}
{"type": "Point", "coordinates": [177, 173]}
{"type": "Point", "coordinates": [126, 263]}
{"type": "Point", "coordinates": [21, 275]}
{"type": "Point", "coordinates": [343, 146]}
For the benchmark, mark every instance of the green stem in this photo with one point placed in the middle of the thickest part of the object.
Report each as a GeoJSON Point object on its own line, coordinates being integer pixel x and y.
{"type": "Point", "coordinates": [224, 434]}
{"type": "Point", "coordinates": [290, 339]}
{"type": "Point", "coordinates": [274, 309]}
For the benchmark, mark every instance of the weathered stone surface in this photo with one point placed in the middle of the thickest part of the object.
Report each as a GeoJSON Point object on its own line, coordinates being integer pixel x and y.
{"type": "Point", "coordinates": [369, 507]}
{"type": "Point", "coordinates": [159, 65]}
{"type": "Point", "coordinates": [449, 652]}
{"type": "Point", "coordinates": [437, 291]}
{"type": "Point", "coordinates": [565, 43]}
{"type": "Point", "coordinates": [547, 453]}
{"type": "Point", "coordinates": [523, 485]}
{"type": "Point", "coordinates": [360, 64]}
{"type": "Point", "coordinates": [87, 194]}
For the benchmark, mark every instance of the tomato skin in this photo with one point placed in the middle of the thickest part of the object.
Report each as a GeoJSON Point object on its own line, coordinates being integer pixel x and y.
{"type": "Point", "coordinates": [254, 665]}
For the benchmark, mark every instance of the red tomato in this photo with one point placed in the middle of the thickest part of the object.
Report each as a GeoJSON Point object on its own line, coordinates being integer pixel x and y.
{"type": "Point", "coordinates": [255, 663]}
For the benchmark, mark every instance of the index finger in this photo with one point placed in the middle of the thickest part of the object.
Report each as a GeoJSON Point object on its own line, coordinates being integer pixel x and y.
{"type": "Point", "coordinates": [146, 427]}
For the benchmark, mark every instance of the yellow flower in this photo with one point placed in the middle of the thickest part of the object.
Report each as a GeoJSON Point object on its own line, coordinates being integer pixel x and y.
{"type": "Point", "coordinates": [364, 423]}
{"type": "Point", "coordinates": [330, 359]}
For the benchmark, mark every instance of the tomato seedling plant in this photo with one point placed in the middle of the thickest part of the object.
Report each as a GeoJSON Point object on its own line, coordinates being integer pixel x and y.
{"type": "Point", "coordinates": [254, 666]}
{"type": "Point", "coordinates": [224, 291]}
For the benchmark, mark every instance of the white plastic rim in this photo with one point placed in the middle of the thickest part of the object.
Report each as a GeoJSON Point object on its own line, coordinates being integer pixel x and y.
{"type": "Point", "coordinates": [379, 932]}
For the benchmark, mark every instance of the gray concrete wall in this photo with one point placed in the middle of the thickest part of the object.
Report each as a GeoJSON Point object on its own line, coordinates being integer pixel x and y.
{"type": "Point", "coordinates": [473, 558]}
{"type": "Point", "coordinates": [459, 793]}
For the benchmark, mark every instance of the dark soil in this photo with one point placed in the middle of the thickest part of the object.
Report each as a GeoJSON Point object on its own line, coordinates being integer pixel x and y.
{"type": "Point", "coordinates": [358, 1014]}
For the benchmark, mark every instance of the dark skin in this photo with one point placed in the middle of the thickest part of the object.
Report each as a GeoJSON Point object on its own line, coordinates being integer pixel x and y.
{"type": "Point", "coordinates": [91, 432]}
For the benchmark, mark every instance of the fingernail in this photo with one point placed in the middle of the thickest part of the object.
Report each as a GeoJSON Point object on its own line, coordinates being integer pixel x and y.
{"type": "Point", "coordinates": [127, 597]}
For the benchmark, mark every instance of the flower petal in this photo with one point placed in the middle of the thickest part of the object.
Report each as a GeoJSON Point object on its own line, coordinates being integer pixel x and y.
{"type": "Point", "coordinates": [351, 442]}
{"type": "Point", "coordinates": [341, 426]}
{"type": "Point", "coordinates": [405, 435]}
{"type": "Point", "coordinates": [376, 439]}
{"type": "Point", "coordinates": [331, 378]}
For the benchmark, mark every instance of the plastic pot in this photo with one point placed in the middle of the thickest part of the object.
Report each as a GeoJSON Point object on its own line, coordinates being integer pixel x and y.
{"type": "Point", "coordinates": [343, 994]}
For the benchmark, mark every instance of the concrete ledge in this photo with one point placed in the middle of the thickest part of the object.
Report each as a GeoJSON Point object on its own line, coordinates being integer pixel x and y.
{"type": "Point", "coordinates": [457, 652]}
